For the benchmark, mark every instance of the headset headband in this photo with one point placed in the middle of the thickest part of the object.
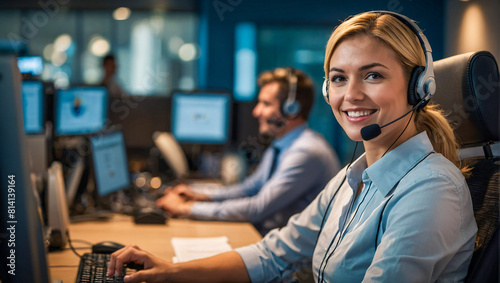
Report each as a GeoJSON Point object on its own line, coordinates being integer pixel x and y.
{"type": "Point", "coordinates": [426, 85]}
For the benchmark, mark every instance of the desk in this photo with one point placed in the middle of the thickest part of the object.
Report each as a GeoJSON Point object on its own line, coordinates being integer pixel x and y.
{"type": "Point", "coordinates": [152, 238]}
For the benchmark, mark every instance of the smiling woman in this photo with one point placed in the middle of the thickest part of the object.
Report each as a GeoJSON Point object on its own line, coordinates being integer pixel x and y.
{"type": "Point", "coordinates": [368, 85]}
{"type": "Point", "coordinates": [401, 212]}
{"type": "Point", "coordinates": [386, 59]}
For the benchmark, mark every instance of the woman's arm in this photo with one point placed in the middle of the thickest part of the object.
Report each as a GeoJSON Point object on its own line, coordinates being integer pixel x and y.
{"type": "Point", "coordinates": [225, 267]}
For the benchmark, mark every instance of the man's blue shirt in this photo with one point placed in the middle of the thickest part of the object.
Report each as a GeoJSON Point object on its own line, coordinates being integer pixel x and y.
{"type": "Point", "coordinates": [305, 165]}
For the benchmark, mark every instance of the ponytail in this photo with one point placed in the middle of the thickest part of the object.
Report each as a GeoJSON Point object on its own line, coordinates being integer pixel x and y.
{"type": "Point", "coordinates": [432, 120]}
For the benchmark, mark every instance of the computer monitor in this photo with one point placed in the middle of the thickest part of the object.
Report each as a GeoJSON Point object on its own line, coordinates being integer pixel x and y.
{"type": "Point", "coordinates": [30, 65]}
{"type": "Point", "coordinates": [110, 162]}
{"type": "Point", "coordinates": [80, 110]}
{"type": "Point", "coordinates": [201, 118]}
{"type": "Point", "coordinates": [139, 117]}
{"type": "Point", "coordinates": [33, 106]}
{"type": "Point", "coordinates": [23, 252]}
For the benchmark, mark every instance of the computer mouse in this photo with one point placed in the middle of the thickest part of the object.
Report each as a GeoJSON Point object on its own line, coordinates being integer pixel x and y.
{"type": "Point", "coordinates": [148, 215]}
{"type": "Point", "coordinates": [106, 247]}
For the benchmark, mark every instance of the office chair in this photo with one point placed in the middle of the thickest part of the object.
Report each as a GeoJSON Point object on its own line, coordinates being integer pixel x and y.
{"type": "Point", "coordinates": [468, 89]}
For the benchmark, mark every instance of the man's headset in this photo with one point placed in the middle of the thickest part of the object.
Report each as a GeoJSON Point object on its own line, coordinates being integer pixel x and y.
{"type": "Point", "coordinates": [290, 107]}
{"type": "Point", "coordinates": [422, 84]}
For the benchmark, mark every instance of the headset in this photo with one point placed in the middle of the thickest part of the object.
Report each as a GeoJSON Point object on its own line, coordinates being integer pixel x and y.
{"type": "Point", "coordinates": [290, 108]}
{"type": "Point", "coordinates": [422, 85]}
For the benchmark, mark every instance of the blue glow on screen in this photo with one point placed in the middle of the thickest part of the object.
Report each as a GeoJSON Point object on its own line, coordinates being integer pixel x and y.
{"type": "Point", "coordinates": [110, 162]}
{"type": "Point", "coordinates": [30, 65]}
{"type": "Point", "coordinates": [32, 96]}
{"type": "Point", "coordinates": [81, 110]}
{"type": "Point", "coordinates": [201, 118]}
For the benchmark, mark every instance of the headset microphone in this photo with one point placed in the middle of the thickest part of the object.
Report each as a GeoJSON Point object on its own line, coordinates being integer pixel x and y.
{"type": "Point", "coordinates": [374, 130]}
{"type": "Point", "coordinates": [371, 131]}
{"type": "Point", "coordinates": [276, 122]}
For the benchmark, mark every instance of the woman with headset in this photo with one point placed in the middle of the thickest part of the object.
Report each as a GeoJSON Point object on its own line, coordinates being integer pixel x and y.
{"type": "Point", "coordinates": [401, 212]}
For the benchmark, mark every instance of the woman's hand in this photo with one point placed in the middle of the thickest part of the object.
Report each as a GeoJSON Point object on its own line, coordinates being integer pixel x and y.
{"type": "Point", "coordinates": [155, 269]}
{"type": "Point", "coordinates": [224, 267]}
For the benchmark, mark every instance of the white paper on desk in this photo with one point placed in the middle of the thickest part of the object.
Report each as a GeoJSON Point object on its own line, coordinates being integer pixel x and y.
{"type": "Point", "coordinates": [195, 248]}
{"type": "Point", "coordinates": [204, 188]}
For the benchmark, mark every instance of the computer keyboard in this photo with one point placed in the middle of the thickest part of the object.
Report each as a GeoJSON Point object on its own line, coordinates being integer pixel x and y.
{"type": "Point", "coordinates": [93, 268]}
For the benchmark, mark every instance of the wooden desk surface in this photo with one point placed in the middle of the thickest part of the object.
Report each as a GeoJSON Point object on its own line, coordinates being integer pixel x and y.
{"type": "Point", "coordinates": [152, 238]}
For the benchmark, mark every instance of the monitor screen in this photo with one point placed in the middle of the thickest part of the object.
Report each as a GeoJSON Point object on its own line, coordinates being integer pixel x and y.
{"type": "Point", "coordinates": [22, 241]}
{"type": "Point", "coordinates": [110, 162]}
{"type": "Point", "coordinates": [201, 118]}
{"type": "Point", "coordinates": [139, 118]}
{"type": "Point", "coordinates": [80, 110]}
{"type": "Point", "coordinates": [32, 95]}
{"type": "Point", "coordinates": [32, 65]}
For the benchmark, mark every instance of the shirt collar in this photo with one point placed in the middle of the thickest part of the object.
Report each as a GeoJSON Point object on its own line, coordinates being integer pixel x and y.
{"type": "Point", "coordinates": [355, 171]}
{"type": "Point", "coordinates": [386, 172]}
{"type": "Point", "coordinates": [289, 137]}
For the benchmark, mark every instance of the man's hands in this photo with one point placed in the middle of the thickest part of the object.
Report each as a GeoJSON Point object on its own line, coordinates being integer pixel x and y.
{"type": "Point", "coordinates": [177, 201]}
{"type": "Point", "coordinates": [187, 193]}
{"type": "Point", "coordinates": [155, 269]}
{"type": "Point", "coordinates": [174, 204]}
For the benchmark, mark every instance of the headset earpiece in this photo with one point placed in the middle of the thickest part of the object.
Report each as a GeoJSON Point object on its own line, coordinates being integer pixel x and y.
{"type": "Point", "coordinates": [290, 109]}
{"type": "Point", "coordinates": [326, 95]}
{"type": "Point", "coordinates": [413, 96]}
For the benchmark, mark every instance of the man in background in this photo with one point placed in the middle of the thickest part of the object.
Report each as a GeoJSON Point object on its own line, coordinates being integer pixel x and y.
{"type": "Point", "coordinates": [109, 67]}
{"type": "Point", "coordinates": [293, 170]}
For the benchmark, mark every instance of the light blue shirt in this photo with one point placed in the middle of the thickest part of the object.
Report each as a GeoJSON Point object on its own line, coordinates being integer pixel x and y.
{"type": "Point", "coordinates": [305, 165]}
{"type": "Point", "coordinates": [412, 222]}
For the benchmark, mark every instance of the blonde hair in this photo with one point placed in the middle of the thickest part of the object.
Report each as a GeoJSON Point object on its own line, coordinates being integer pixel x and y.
{"type": "Point", "coordinates": [405, 43]}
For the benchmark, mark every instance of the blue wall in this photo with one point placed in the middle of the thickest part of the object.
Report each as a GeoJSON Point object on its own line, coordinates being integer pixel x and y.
{"type": "Point", "coordinates": [218, 19]}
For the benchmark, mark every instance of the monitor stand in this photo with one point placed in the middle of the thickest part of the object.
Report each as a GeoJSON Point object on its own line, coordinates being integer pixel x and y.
{"type": "Point", "coordinates": [74, 152]}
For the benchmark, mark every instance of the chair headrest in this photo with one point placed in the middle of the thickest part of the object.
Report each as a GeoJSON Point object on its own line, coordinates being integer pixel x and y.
{"type": "Point", "coordinates": [468, 89]}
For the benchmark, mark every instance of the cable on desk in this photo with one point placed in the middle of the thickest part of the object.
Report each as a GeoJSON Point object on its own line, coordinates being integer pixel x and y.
{"type": "Point", "coordinates": [71, 245]}
{"type": "Point", "coordinates": [82, 241]}
{"type": "Point", "coordinates": [78, 248]}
